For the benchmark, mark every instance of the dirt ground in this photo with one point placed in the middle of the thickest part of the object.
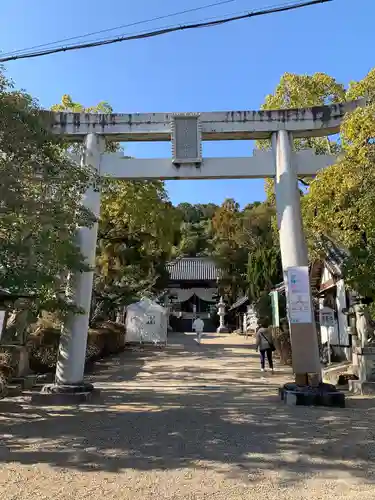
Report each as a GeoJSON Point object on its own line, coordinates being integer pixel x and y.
{"type": "Point", "coordinates": [188, 422]}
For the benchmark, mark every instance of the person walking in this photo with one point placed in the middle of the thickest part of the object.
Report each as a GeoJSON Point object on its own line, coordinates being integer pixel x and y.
{"type": "Point", "coordinates": [264, 344]}
{"type": "Point", "coordinates": [198, 326]}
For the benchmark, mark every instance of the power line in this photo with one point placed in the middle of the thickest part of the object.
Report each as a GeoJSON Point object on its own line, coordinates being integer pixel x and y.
{"type": "Point", "coordinates": [136, 23]}
{"type": "Point", "coordinates": [169, 29]}
{"type": "Point", "coordinates": [211, 18]}
{"type": "Point", "coordinates": [152, 34]}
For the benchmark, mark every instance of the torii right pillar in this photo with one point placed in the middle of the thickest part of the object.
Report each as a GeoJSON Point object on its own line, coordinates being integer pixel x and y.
{"type": "Point", "coordinates": [304, 340]}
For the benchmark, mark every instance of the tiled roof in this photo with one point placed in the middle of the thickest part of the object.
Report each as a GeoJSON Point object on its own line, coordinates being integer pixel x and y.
{"type": "Point", "coordinates": [193, 268]}
{"type": "Point", "coordinates": [240, 302]}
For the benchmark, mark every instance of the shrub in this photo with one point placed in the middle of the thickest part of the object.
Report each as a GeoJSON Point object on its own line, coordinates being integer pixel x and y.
{"type": "Point", "coordinates": [106, 339]}
{"type": "Point", "coordinates": [6, 370]}
{"type": "Point", "coordinates": [283, 346]}
{"type": "Point", "coordinates": [43, 347]}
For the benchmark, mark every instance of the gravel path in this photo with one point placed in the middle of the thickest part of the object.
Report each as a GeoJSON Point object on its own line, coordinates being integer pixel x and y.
{"type": "Point", "coordinates": [190, 422]}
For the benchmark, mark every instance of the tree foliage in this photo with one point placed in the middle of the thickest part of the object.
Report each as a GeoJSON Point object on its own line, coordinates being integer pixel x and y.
{"type": "Point", "coordinates": [242, 243]}
{"type": "Point", "coordinates": [137, 229]}
{"type": "Point", "coordinates": [228, 252]}
{"type": "Point", "coordinates": [67, 104]}
{"type": "Point", "coordinates": [194, 237]}
{"type": "Point", "coordinates": [136, 233]}
{"type": "Point", "coordinates": [300, 91]}
{"type": "Point", "coordinates": [264, 268]}
{"type": "Point", "coordinates": [103, 107]}
{"type": "Point", "coordinates": [246, 250]}
{"type": "Point", "coordinates": [341, 199]}
{"type": "Point", "coordinates": [40, 194]}
{"type": "Point", "coordinates": [140, 230]}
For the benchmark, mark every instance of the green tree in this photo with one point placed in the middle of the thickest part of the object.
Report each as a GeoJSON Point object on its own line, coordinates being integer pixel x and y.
{"type": "Point", "coordinates": [341, 199]}
{"type": "Point", "coordinates": [136, 233]}
{"type": "Point", "coordinates": [137, 228]}
{"type": "Point", "coordinates": [244, 248]}
{"type": "Point", "coordinates": [69, 106]}
{"type": "Point", "coordinates": [299, 91]}
{"type": "Point", "coordinates": [195, 234]}
{"type": "Point", "coordinates": [190, 213]}
{"type": "Point", "coordinates": [257, 229]}
{"type": "Point", "coordinates": [40, 206]}
{"type": "Point", "coordinates": [264, 268]}
{"type": "Point", "coordinates": [229, 253]}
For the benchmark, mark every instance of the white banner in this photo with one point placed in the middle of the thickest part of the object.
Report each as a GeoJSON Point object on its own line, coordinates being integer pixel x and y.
{"type": "Point", "coordinates": [299, 295]}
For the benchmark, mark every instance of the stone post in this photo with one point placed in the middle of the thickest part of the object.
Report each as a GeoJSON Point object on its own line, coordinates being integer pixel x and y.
{"type": "Point", "coordinates": [69, 379]}
{"type": "Point", "coordinates": [305, 349]}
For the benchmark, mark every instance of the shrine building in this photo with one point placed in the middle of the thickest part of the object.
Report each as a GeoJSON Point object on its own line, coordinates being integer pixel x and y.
{"type": "Point", "coordinates": [192, 291]}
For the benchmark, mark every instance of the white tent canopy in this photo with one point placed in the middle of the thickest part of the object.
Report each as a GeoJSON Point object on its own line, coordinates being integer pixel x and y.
{"type": "Point", "coordinates": [146, 322]}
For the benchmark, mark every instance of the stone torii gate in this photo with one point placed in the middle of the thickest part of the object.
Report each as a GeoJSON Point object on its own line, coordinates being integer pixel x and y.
{"type": "Point", "coordinates": [186, 131]}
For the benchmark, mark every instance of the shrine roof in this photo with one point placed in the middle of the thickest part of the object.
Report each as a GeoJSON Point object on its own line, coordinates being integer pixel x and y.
{"type": "Point", "coordinates": [193, 269]}
{"type": "Point", "coordinates": [240, 302]}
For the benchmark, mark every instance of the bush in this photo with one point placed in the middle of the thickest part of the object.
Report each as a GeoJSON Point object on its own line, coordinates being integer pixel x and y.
{"type": "Point", "coordinates": [283, 346]}
{"type": "Point", "coordinates": [6, 370]}
{"type": "Point", "coordinates": [106, 339]}
{"type": "Point", "coordinates": [43, 346]}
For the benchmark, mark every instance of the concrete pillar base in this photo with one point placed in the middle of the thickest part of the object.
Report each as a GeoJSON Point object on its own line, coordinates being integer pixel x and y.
{"type": "Point", "coordinates": [56, 394]}
{"type": "Point", "coordinates": [308, 379]}
{"type": "Point", "coordinates": [307, 395]}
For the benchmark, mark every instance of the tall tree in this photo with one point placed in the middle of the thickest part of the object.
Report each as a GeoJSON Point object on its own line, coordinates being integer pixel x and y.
{"type": "Point", "coordinates": [137, 229]}
{"type": "Point", "coordinates": [40, 208]}
{"type": "Point", "coordinates": [228, 252]}
{"type": "Point", "coordinates": [195, 235]}
{"type": "Point", "coordinates": [299, 91]}
{"type": "Point", "coordinates": [341, 198]}
{"type": "Point", "coordinates": [264, 269]}
{"type": "Point", "coordinates": [103, 107]}
{"type": "Point", "coordinates": [136, 232]}
{"type": "Point", "coordinates": [339, 201]}
{"type": "Point", "coordinates": [67, 104]}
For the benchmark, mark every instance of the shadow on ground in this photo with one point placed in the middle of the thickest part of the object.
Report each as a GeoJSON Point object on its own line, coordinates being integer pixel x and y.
{"type": "Point", "coordinates": [233, 428]}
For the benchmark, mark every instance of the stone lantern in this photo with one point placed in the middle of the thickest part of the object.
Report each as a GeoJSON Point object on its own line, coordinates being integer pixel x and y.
{"type": "Point", "coordinates": [221, 312]}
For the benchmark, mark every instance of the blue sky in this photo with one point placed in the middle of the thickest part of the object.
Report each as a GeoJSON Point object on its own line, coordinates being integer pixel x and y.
{"type": "Point", "coordinates": [229, 67]}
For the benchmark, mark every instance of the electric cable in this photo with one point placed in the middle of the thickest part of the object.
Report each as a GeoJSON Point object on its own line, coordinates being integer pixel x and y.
{"type": "Point", "coordinates": [159, 32]}
{"type": "Point", "coordinates": [136, 23]}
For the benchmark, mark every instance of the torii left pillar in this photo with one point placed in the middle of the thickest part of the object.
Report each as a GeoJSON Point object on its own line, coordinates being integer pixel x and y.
{"type": "Point", "coordinates": [69, 385]}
